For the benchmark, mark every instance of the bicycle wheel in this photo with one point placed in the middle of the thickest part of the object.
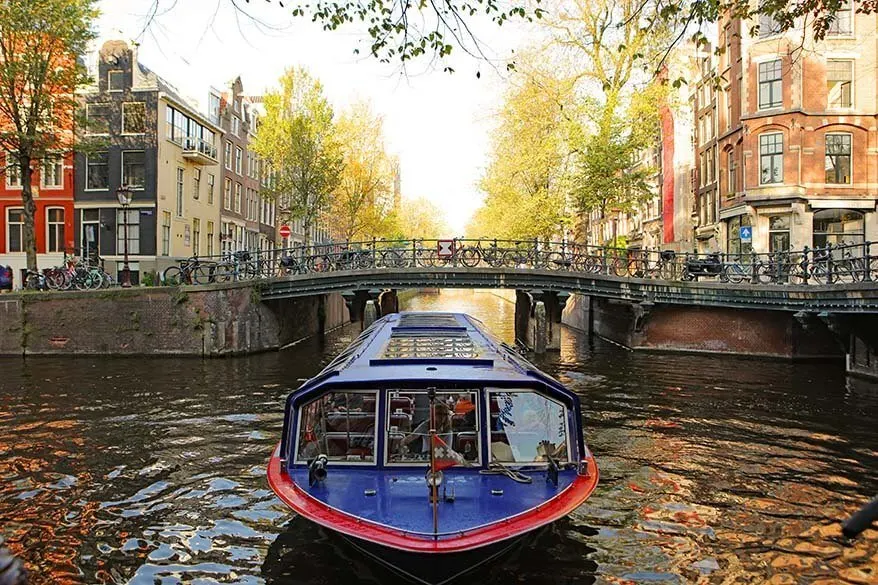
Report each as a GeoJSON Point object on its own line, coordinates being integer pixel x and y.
{"type": "Point", "coordinates": [469, 257]}
{"type": "Point", "coordinates": [172, 276]}
{"type": "Point", "coordinates": [392, 259]}
{"type": "Point", "coordinates": [842, 274]}
{"type": "Point", "coordinates": [555, 261]}
{"type": "Point", "coordinates": [203, 274]}
{"type": "Point", "coordinates": [734, 273]}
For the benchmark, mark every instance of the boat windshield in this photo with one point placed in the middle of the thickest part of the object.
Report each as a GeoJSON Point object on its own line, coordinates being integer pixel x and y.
{"type": "Point", "coordinates": [340, 425]}
{"type": "Point", "coordinates": [527, 427]}
{"type": "Point", "coordinates": [408, 426]}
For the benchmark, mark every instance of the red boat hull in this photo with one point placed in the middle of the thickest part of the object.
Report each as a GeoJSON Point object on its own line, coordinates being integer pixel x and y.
{"type": "Point", "coordinates": [345, 524]}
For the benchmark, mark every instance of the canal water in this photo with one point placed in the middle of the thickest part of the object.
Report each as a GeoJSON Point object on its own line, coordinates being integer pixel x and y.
{"type": "Point", "coordinates": [713, 469]}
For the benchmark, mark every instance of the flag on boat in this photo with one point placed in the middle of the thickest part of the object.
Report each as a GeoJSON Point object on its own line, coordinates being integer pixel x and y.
{"type": "Point", "coordinates": [443, 455]}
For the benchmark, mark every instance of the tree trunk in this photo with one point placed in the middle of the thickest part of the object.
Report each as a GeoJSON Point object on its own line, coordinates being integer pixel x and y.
{"type": "Point", "coordinates": [306, 227]}
{"type": "Point", "coordinates": [29, 241]}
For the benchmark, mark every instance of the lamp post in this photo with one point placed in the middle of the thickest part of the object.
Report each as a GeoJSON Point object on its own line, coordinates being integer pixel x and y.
{"type": "Point", "coordinates": [124, 195]}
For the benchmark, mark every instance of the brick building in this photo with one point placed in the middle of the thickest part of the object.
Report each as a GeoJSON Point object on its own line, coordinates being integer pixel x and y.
{"type": "Point", "coordinates": [53, 221]}
{"type": "Point", "coordinates": [248, 219]}
{"type": "Point", "coordinates": [796, 137]}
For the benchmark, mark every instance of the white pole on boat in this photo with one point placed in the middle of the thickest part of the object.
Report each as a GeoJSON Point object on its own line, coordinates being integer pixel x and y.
{"type": "Point", "coordinates": [434, 488]}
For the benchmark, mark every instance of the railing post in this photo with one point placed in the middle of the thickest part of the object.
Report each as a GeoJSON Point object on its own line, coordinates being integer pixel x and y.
{"type": "Point", "coordinates": [374, 252]}
{"type": "Point", "coordinates": [754, 276]}
{"type": "Point", "coordinates": [867, 261]}
{"type": "Point", "coordinates": [806, 264]}
{"type": "Point", "coordinates": [536, 255]}
{"type": "Point", "coordinates": [455, 250]}
{"type": "Point", "coordinates": [414, 253]}
{"type": "Point", "coordinates": [829, 263]}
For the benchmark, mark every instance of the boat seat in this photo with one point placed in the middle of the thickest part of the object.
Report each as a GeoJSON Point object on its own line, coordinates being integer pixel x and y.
{"type": "Point", "coordinates": [463, 422]}
{"type": "Point", "coordinates": [360, 444]}
{"type": "Point", "coordinates": [403, 403]}
{"type": "Point", "coordinates": [358, 421]}
{"type": "Point", "coordinates": [467, 444]}
{"type": "Point", "coordinates": [401, 421]}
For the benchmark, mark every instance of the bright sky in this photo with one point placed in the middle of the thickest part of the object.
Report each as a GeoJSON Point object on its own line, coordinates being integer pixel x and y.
{"type": "Point", "coordinates": [438, 124]}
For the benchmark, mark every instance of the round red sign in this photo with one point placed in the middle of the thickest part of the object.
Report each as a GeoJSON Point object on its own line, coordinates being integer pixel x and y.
{"type": "Point", "coordinates": [285, 231]}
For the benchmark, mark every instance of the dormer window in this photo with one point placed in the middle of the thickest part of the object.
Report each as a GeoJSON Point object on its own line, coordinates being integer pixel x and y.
{"type": "Point", "coordinates": [116, 81]}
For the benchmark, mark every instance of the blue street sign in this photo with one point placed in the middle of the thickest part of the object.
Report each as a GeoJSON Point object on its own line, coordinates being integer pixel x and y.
{"type": "Point", "coordinates": [746, 234]}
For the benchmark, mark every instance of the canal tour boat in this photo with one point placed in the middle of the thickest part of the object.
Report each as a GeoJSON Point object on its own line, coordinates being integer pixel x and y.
{"type": "Point", "coordinates": [432, 447]}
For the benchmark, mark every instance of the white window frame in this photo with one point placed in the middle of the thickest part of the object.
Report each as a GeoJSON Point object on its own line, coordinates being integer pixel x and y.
{"type": "Point", "coordinates": [489, 391]}
{"type": "Point", "coordinates": [166, 233]}
{"type": "Point", "coordinates": [122, 169]}
{"type": "Point", "coordinates": [110, 77]}
{"type": "Point", "coordinates": [124, 133]}
{"type": "Point", "coordinates": [12, 171]}
{"type": "Point", "coordinates": [211, 187]}
{"type": "Point", "coordinates": [133, 242]}
{"type": "Point", "coordinates": [374, 462]}
{"type": "Point", "coordinates": [50, 225]}
{"type": "Point", "coordinates": [9, 211]}
{"type": "Point", "coordinates": [179, 208]}
{"type": "Point", "coordinates": [88, 130]}
{"type": "Point", "coordinates": [851, 156]}
{"type": "Point", "coordinates": [853, 84]}
{"type": "Point", "coordinates": [782, 158]}
{"type": "Point", "coordinates": [227, 151]}
{"type": "Point", "coordinates": [239, 160]}
{"type": "Point", "coordinates": [196, 183]}
{"type": "Point", "coordinates": [107, 164]}
{"type": "Point", "coordinates": [759, 83]}
{"type": "Point", "coordinates": [58, 161]}
{"type": "Point", "coordinates": [853, 20]}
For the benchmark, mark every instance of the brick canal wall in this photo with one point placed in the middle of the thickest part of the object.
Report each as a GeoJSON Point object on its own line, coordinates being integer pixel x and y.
{"type": "Point", "coordinates": [193, 321]}
{"type": "Point", "coordinates": [751, 332]}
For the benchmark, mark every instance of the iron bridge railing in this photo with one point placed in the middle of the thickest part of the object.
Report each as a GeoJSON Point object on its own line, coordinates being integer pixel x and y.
{"type": "Point", "coordinates": [843, 263]}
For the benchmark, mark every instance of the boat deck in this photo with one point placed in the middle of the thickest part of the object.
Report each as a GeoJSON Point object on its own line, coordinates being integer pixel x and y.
{"type": "Point", "coordinates": [401, 497]}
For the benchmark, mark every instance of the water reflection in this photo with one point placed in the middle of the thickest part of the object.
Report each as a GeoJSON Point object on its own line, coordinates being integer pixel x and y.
{"type": "Point", "coordinates": [713, 469]}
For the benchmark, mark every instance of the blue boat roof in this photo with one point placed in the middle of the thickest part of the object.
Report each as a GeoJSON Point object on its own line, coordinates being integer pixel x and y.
{"type": "Point", "coordinates": [413, 346]}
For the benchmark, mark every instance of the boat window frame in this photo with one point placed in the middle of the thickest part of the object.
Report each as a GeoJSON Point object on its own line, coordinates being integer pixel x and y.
{"type": "Point", "coordinates": [301, 411]}
{"type": "Point", "coordinates": [567, 411]}
{"type": "Point", "coordinates": [386, 430]}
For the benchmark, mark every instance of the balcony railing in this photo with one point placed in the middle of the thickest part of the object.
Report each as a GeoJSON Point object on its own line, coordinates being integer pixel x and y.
{"type": "Point", "coordinates": [199, 149]}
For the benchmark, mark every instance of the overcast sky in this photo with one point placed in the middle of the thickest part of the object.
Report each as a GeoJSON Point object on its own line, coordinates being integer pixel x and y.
{"type": "Point", "coordinates": [437, 123]}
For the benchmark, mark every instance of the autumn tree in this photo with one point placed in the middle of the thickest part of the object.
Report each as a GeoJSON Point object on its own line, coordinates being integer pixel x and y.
{"type": "Point", "coordinates": [609, 49]}
{"type": "Point", "coordinates": [363, 199]}
{"type": "Point", "coordinates": [297, 141]}
{"type": "Point", "coordinates": [527, 182]}
{"type": "Point", "coordinates": [40, 41]}
{"type": "Point", "coordinates": [417, 218]}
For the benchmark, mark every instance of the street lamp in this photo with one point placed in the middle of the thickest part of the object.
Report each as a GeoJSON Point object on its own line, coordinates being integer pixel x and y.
{"type": "Point", "coordinates": [124, 196]}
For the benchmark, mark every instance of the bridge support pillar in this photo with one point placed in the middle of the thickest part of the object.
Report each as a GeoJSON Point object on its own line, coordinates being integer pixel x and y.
{"type": "Point", "coordinates": [389, 302]}
{"type": "Point", "coordinates": [538, 319]}
{"type": "Point", "coordinates": [370, 315]}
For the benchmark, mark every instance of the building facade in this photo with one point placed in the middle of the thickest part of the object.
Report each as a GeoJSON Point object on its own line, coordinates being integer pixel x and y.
{"type": "Point", "coordinates": [248, 218]}
{"type": "Point", "coordinates": [52, 185]}
{"type": "Point", "coordinates": [797, 160]}
{"type": "Point", "coordinates": [143, 136]}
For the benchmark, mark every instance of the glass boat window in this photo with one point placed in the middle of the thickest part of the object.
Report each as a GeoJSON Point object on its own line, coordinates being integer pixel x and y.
{"type": "Point", "coordinates": [408, 426]}
{"type": "Point", "coordinates": [340, 425]}
{"type": "Point", "coordinates": [526, 426]}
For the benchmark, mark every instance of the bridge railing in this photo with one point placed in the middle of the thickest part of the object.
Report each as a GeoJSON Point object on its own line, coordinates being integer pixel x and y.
{"type": "Point", "coordinates": [845, 262]}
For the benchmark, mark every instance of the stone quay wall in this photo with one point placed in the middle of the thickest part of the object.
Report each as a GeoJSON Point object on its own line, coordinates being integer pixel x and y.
{"type": "Point", "coordinates": [191, 321]}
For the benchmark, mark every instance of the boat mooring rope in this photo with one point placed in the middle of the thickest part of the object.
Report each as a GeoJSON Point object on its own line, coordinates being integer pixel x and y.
{"type": "Point", "coordinates": [500, 469]}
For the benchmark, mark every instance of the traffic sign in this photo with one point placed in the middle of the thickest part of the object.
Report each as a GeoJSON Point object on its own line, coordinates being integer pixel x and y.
{"type": "Point", "coordinates": [746, 234]}
{"type": "Point", "coordinates": [445, 248]}
{"type": "Point", "coordinates": [285, 231]}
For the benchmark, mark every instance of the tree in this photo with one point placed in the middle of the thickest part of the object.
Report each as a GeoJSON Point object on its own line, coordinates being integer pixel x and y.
{"type": "Point", "coordinates": [418, 218]}
{"type": "Point", "coordinates": [363, 198]}
{"type": "Point", "coordinates": [297, 140]}
{"type": "Point", "coordinates": [610, 48]}
{"type": "Point", "coordinates": [402, 30]}
{"type": "Point", "coordinates": [527, 181]}
{"type": "Point", "coordinates": [39, 44]}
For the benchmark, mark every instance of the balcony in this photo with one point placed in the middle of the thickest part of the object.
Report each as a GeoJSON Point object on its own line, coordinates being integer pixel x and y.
{"type": "Point", "coordinates": [199, 151]}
